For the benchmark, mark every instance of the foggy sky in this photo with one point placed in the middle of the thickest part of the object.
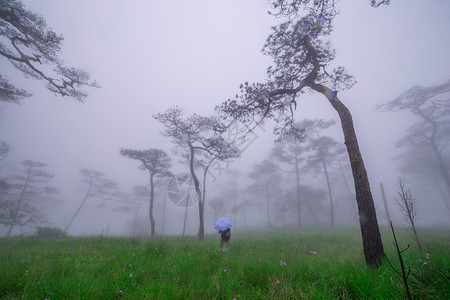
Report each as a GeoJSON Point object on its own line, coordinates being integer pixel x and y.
{"type": "Point", "coordinates": [152, 55]}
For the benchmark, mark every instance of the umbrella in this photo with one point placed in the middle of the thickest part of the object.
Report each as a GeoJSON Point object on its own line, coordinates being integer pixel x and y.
{"type": "Point", "coordinates": [223, 223]}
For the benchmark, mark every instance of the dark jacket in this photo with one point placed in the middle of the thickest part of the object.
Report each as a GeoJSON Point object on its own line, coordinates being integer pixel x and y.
{"type": "Point", "coordinates": [225, 235]}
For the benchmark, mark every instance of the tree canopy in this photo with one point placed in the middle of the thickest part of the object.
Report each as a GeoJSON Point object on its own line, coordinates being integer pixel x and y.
{"type": "Point", "coordinates": [32, 48]}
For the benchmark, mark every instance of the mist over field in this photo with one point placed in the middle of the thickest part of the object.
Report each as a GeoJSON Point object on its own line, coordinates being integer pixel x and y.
{"type": "Point", "coordinates": [151, 56]}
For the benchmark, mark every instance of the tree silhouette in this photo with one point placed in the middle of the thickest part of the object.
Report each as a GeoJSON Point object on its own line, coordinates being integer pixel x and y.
{"type": "Point", "coordinates": [98, 187]}
{"type": "Point", "coordinates": [407, 204]}
{"type": "Point", "coordinates": [18, 206]}
{"type": "Point", "coordinates": [430, 133]}
{"type": "Point", "coordinates": [292, 8]}
{"type": "Point", "coordinates": [266, 179]}
{"type": "Point", "coordinates": [215, 148]}
{"type": "Point", "coordinates": [157, 162]}
{"type": "Point", "coordinates": [290, 151]}
{"type": "Point", "coordinates": [32, 47]}
{"type": "Point", "coordinates": [301, 62]}
{"type": "Point", "coordinates": [195, 136]}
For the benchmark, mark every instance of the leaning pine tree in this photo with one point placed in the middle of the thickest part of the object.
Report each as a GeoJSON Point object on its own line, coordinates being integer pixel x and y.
{"type": "Point", "coordinates": [301, 61]}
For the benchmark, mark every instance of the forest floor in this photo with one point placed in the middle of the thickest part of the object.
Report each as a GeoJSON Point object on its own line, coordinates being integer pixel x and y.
{"type": "Point", "coordinates": [311, 263]}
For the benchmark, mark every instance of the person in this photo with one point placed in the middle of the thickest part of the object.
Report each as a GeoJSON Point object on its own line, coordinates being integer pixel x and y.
{"type": "Point", "coordinates": [225, 236]}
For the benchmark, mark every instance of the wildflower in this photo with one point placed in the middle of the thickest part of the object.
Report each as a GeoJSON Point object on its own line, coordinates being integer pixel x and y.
{"type": "Point", "coordinates": [313, 252]}
{"type": "Point", "coordinates": [260, 260]}
{"type": "Point", "coordinates": [70, 249]}
{"type": "Point", "coordinates": [278, 281]}
{"type": "Point", "coordinates": [94, 250]}
{"type": "Point", "coordinates": [129, 265]}
{"type": "Point", "coordinates": [425, 263]}
{"type": "Point", "coordinates": [131, 275]}
{"type": "Point", "coordinates": [134, 254]}
{"type": "Point", "coordinates": [224, 270]}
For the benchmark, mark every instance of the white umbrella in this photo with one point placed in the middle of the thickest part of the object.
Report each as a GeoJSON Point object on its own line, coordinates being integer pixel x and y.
{"type": "Point", "coordinates": [223, 224]}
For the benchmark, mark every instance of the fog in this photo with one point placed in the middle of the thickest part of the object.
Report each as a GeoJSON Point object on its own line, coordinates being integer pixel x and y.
{"type": "Point", "coordinates": [149, 56]}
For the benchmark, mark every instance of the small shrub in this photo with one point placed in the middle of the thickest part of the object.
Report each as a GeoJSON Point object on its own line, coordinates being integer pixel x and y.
{"type": "Point", "coordinates": [50, 232]}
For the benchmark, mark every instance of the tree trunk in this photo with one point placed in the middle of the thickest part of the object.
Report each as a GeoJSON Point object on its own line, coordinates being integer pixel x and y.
{"type": "Point", "coordinates": [386, 208]}
{"type": "Point", "coordinates": [330, 195]}
{"type": "Point", "coordinates": [441, 163]}
{"type": "Point", "coordinates": [269, 223]}
{"type": "Point", "coordinates": [297, 182]}
{"type": "Point", "coordinates": [15, 213]}
{"type": "Point", "coordinates": [370, 231]}
{"type": "Point", "coordinates": [10, 228]}
{"type": "Point", "coordinates": [79, 208]}
{"type": "Point", "coordinates": [150, 210]}
{"type": "Point", "coordinates": [201, 227]}
{"type": "Point", "coordinates": [164, 215]}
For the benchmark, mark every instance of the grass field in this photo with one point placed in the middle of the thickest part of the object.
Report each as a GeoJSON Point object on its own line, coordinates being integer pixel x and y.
{"type": "Point", "coordinates": [305, 264]}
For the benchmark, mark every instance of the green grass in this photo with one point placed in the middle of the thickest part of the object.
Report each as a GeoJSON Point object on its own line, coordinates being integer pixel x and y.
{"type": "Point", "coordinates": [184, 268]}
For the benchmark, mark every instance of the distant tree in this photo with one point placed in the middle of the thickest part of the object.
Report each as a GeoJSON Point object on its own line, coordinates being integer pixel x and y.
{"type": "Point", "coordinates": [431, 131]}
{"type": "Point", "coordinates": [98, 187]}
{"type": "Point", "coordinates": [18, 206]}
{"type": "Point", "coordinates": [157, 162]}
{"type": "Point", "coordinates": [290, 151]}
{"type": "Point", "coordinates": [312, 200]}
{"type": "Point", "coordinates": [231, 192]}
{"type": "Point", "coordinates": [132, 203]}
{"type": "Point", "coordinates": [32, 47]}
{"type": "Point", "coordinates": [4, 151]}
{"type": "Point", "coordinates": [293, 8]}
{"type": "Point", "coordinates": [343, 168]}
{"type": "Point", "coordinates": [195, 134]}
{"type": "Point", "coordinates": [323, 150]}
{"type": "Point", "coordinates": [407, 203]}
{"type": "Point", "coordinates": [215, 148]}
{"type": "Point", "coordinates": [266, 180]}
{"type": "Point", "coordinates": [301, 62]}
{"type": "Point", "coordinates": [217, 206]}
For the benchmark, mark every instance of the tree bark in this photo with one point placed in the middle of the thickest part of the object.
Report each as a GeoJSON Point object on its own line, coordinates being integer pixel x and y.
{"type": "Point", "coordinates": [370, 231]}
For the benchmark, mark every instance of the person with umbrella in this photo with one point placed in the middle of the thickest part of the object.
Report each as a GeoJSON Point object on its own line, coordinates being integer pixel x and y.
{"type": "Point", "coordinates": [224, 225]}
